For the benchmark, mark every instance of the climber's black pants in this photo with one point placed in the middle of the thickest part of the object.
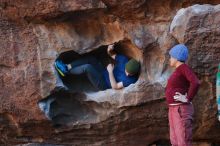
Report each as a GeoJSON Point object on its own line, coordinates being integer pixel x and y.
{"type": "Point", "coordinates": [90, 66]}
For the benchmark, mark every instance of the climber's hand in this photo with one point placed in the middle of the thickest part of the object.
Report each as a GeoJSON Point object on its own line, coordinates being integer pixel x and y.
{"type": "Point", "coordinates": [110, 48]}
{"type": "Point", "coordinates": [111, 51]}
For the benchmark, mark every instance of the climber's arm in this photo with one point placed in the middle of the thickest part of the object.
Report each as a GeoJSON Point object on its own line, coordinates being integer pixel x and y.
{"type": "Point", "coordinates": [113, 82]}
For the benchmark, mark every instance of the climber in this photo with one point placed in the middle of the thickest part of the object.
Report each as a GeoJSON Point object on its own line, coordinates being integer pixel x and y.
{"type": "Point", "coordinates": [122, 74]}
{"type": "Point", "coordinates": [182, 86]}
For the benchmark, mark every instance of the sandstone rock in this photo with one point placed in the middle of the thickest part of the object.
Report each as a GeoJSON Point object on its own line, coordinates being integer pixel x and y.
{"type": "Point", "coordinates": [195, 19]}
{"type": "Point", "coordinates": [41, 9]}
{"type": "Point", "coordinates": [34, 33]}
{"type": "Point", "coordinates": [19, 72]}
{"type": "Point", "coordinates": [198, 27]}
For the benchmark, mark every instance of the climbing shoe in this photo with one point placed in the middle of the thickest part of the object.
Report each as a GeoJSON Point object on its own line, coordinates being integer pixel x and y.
{"type": "Point", "coordinates": [61, 67]}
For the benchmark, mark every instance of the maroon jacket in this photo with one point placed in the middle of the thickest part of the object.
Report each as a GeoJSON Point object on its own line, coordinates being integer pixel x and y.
{"type": "Point", "coordinates": [182, 80]}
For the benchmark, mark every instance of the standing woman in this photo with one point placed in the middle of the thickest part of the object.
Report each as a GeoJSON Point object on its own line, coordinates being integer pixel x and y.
{"type": "Point", "coordinates": [182, 86]}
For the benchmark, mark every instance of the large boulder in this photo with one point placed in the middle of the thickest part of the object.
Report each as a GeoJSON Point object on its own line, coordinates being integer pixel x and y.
{"type": "Point", "coordinates": [33, 34]}
{"type": "Point", "coordinates": [38, 10]}
{"type": "Point", "coordinates": [198, 26]}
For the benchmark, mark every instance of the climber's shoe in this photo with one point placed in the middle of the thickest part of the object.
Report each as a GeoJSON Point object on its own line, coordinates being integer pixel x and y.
{"type": "Point", "coordinates": [61, 67]}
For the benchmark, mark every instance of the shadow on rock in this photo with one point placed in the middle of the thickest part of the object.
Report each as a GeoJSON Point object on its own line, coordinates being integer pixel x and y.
{"type": "Point", "coordinates": [66, 108]}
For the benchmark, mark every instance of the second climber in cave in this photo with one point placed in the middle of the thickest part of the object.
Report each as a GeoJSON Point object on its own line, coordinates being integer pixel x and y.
{"type": "Point", "coordinates": [118, 75]}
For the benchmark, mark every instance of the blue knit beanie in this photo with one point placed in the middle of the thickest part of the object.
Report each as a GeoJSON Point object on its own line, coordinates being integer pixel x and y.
{"type": "Point", "coordinates": [180, 52]}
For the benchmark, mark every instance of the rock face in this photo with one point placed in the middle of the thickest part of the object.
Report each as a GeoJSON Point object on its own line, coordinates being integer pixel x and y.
{"type": "Point", "coordinates": [33, 34]}
{"type": "Point", "coordinates": [196, 26]}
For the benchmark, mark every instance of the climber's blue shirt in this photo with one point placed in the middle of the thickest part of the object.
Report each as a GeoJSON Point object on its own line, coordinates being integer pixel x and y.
{"type": "Point", "coordinates": [119, 72]}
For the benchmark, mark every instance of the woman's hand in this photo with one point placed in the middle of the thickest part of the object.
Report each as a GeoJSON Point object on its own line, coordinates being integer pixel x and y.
{"type": "Point", "coordinates": [180, 97]}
